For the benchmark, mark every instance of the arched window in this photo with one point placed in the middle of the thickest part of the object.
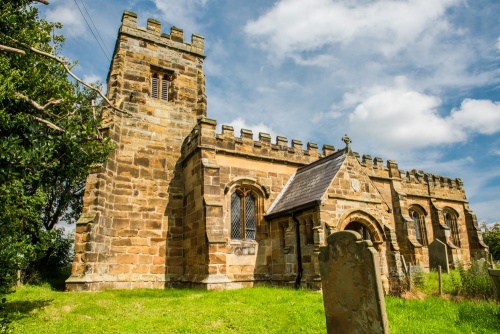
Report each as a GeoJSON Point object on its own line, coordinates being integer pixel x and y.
{"type": "Point", "coordinates": [243, 214]}
{"type": "Point", "coordinates": [450, 219]}
{"type": "Point", "coordinates": [419, 226]}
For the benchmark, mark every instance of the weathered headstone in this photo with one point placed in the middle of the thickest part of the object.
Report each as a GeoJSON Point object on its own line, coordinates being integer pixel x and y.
{"type": "Point", "coordinates": [353, 296]}
{"type": "Point", "coordinates": [438, 255]}
{"type": "Point", "coordinates": [495, 277]}
{"type": "Point", "coordinates": [481, 263]}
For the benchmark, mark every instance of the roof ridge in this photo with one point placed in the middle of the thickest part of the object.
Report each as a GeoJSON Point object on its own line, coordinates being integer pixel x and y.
{"type": "Point", "coordinates": [321, 161]}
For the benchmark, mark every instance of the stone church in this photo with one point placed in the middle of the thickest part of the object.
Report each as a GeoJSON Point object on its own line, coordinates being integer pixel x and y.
{"type": "Point", "coordinates": [179, 205]}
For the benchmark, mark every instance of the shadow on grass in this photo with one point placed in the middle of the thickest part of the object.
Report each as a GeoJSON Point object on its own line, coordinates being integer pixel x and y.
{"type": "Point", "coordinates": [19, 309]}
{"type": "Point", "coordinates": [487, 317]}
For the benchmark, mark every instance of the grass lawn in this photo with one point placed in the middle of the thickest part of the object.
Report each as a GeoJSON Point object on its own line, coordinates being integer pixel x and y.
{"type": "Point", "coordinates": [258, 310]}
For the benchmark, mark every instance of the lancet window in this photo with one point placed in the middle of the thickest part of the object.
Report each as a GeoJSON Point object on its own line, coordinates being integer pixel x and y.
{"type": "Point", "coordinates": [419, 225]}
{"type": "Point", "coordinates": [450, 219]}
{"type": "Point", "coordinates": [243, 214]}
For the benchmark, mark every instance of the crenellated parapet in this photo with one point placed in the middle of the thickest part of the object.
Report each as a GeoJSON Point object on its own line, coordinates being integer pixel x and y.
{"type": "Point", "coordinates": [204, 135]}
{"type": "Point", "coordinates": [376, 167]}
{"type": "Point", "coordinates": [152, 33]}
{"type": "Point", "coordinates": [153, 68]}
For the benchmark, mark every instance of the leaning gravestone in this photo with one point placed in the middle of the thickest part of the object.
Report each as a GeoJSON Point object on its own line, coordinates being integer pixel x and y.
{"type": "Point", "coordinates": [352, 288]}
{"type": "Point", "coordinates": [438, 255]}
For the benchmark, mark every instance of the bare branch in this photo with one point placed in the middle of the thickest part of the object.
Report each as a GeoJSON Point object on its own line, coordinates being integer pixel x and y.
{"type": "Point", "coordinates": [49, 124]}
{"type": "Point", "coordinates": [45, 2]}
{"type": "Point", "coordinates": [68, 70]}
{"type": "Point", "coordinates": [9, 49]}
{"type": "Point", "coordinates": [35, 105]}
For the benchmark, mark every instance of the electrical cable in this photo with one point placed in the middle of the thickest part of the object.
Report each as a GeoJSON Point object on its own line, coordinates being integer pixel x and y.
{"type": "Point", "coordinates": [100, 46]}
{"type": "Point", "coordinates": [95, 28]}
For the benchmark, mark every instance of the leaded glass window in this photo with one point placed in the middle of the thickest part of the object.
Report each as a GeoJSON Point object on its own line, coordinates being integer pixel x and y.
{"type": "Point", "coordinates": [419, 226]}
{"type": "Point", "coordinates": [451, 221]}
{"type": "Point", "coordinates": [243, 214]}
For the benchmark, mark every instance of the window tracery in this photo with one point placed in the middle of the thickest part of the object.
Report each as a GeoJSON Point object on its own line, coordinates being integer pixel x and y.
{"type": "Point", "coordinates": [450, 219]}
{"type": "Point", "coordinates": [419, 225]}
{"type": "Point", "coordinates": [243, 214]}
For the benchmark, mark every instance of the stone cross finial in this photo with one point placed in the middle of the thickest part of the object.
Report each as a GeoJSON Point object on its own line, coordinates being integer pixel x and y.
{"type": "Point", "coordinates": [346, 140]}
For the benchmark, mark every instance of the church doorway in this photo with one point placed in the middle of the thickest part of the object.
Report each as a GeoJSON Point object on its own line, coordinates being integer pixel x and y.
{"type": "Point", "coordinates": [369, 228]}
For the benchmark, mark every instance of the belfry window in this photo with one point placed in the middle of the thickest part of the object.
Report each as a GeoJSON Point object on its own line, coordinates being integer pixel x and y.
{"type": "Point", "coordinates": [243, 214]}
{"type": "Point", "coordinates": [451, 221]}
{"type": "Point", "coordinates": [161, 86]}
{"type": "Point", "coordinates": [419, 226]}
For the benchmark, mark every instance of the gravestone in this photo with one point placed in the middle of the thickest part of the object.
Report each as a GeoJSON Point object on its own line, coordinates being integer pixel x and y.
{"type": "Point", "coordinates": [438, 255]}
{"type": "Point", "coordinates": [495, 277]}
{"type": "Point", "coordinates": [353, 296]}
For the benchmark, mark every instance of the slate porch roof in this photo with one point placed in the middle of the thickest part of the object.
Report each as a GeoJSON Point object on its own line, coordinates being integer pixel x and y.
{"type": "Point", "coordinates": [307, 186]}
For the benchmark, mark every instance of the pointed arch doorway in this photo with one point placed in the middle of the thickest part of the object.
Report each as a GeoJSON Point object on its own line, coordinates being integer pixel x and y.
{"type": "Point", "coordinates": [370, 229]}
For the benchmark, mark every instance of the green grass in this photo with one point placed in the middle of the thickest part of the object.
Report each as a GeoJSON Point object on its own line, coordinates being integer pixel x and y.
{"type": "Point", "coordinates": [259, 310]}
{"type": "Point", "coordinates": [451, 283]}
{"type": "Point", "coordinates": [437, 315]}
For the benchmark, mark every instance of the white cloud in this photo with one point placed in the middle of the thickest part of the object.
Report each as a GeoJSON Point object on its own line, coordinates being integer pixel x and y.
{"type": "Point", "coordinates": [498, 44]}
{"type": "Point", "coordinates": [92, 79]}
{"type": "Point", "coordinates": [240, 123]}
{"type": "Point", "coordinates": [66, 13]}
{"type": "Point", "coordinates": [182, 14]}
{"type": "Point", "coordinates": [293, 26]}
{"type": "Point", "coordinates": [321, 60]}
{"type": "Point", "coordinates": [403, 119]}
{"type": "Point", "coordinates": [399, 118]}
{"type": "Point", "coordinates": [482, 116]}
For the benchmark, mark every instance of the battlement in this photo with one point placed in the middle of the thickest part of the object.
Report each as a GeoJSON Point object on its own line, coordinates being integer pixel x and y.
{"type": "Point", "coordinates": [152, 33]}
{"type": "Point", "coordinates": [390, 169]}
{"type": "Point", "coordinates": [204, 135]}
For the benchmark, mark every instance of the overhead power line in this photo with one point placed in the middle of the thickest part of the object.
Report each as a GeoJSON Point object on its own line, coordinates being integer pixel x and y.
{"type": "Point", "coordinates": [97, 30]}
{"type": "Point", "coordinates": [101, 43]}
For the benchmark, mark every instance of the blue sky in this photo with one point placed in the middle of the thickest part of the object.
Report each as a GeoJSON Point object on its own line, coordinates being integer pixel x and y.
{"type": "Point", "coordinates": [415, 81]}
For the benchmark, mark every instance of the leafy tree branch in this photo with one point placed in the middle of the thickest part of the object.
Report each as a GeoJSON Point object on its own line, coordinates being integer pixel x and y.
{"type": "Point", "coordinates": [68, 70]}
{"type": "Point", "coordinates": [50, 138]}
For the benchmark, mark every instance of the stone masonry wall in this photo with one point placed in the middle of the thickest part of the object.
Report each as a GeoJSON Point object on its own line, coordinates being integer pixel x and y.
{"type": "Point", "coordinates": [131, 233]}
{"type": "Point", "coordinates": [222, 162]}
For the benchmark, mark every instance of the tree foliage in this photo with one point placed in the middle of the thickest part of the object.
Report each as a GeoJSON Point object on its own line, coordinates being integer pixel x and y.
{"type": "Point", "coordinates": [49, 138]}
{"type": "Point", "coordinates": [491, 237]}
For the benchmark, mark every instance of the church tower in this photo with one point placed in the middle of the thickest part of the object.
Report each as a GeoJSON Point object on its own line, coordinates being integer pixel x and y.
{"type": "Point", "coordinates": [130, 232]}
